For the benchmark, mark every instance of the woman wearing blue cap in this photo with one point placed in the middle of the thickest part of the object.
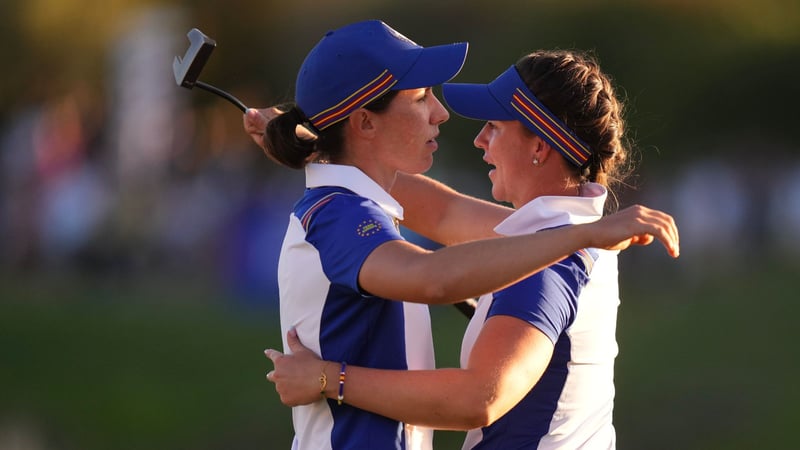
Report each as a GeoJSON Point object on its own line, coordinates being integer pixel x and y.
{"type": "Point", "coordinates": [364, 93]}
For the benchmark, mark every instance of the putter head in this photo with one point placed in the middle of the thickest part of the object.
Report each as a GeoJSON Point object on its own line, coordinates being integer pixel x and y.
{"type": "Point", "coordinates": [188, 68]}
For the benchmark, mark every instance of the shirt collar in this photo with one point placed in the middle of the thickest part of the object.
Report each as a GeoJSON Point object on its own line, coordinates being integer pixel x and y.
{"type": "Point", "coordinates": [354, 179]}
{"type": "Point", "coordinates": [552, 211]}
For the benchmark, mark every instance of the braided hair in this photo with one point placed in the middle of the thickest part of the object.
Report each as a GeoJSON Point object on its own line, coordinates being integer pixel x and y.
{"type": "Point", "coordinates": [573, 87]}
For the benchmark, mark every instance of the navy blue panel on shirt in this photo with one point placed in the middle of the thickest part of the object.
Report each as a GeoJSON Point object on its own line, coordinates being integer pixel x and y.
{"type": "Point", "coordinates": [548, 301]}
{"type": "Point", "coordinates": [345, 230]}
{"type": "Point", "coordinates": [355, 327]}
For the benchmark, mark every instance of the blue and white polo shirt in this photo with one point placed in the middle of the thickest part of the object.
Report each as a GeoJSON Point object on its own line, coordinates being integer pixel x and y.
{"type": "Point", "coordinates": [574, 302]}
{"type": "Point", "coordinates": [341, 218]}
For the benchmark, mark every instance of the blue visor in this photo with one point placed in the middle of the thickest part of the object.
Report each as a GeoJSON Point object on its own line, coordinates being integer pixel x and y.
{"type": "Point", "coordinates": [508, 98]}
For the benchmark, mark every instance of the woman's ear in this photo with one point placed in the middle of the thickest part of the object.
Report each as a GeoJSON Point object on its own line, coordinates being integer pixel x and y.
{"type": "Point", "coordinates": [361, 122]}
{"type": "Point", "coordinates": [541, 150]}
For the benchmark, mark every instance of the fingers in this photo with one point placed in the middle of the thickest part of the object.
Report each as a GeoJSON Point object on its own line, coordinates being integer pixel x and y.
{"type": "Point", "coordinates": [255, 124]}
{"type": "Point", "coordinates": [666, 232]}
{"type": "Point", "coordinates": [661, 226]}
{"type": "Point", "coordinates": [272, 354]}
{"type": "Point", "coordinates": [639, 225]}
{"type": "Point", "coordinates": [645, 239]}
{"type": "Point", "coordinates": [254, 121]}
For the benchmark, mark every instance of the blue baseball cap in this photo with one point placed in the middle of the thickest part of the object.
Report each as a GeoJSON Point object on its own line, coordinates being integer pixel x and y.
{"type": "Point", "coordinates": [359, 62]}
{"type": "Point", "coordinates": [508, 98]}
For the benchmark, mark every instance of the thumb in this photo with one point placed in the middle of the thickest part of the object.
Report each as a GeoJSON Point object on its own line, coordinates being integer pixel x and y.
{"type": "Point", "coordinates": [293, 341]}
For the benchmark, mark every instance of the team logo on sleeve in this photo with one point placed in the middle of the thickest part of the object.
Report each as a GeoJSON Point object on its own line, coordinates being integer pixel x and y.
{"type": "Point", "coordinates": [368, 228]}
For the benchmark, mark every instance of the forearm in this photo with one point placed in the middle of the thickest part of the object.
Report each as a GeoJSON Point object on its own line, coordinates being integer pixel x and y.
{"type": "Point", "coordinates": [444, 215]}
{"type": "Point", "coordinates": [401, 270]}
{"type": "Point", "coordinates": [505, 363]}
{"type": "Point", "coordinates": [443, 398]}
{"type": "Point", "coordinates": [467, 270]}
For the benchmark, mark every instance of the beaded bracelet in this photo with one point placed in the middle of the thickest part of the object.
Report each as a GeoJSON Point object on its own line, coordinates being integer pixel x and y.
{"type": "Point", "coordinates": [340, 398]}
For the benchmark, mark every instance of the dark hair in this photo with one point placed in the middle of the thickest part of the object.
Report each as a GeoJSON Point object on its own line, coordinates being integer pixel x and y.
{"type": "Point", "coordinates": [285, 147]}
{"type": "Point", "coordinates": [573, 87]}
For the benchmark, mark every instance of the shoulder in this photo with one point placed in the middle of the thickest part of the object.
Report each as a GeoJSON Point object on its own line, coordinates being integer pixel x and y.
{"type": "Point", "coordinates": [573, 272]}
{"type": "Point", "coordinates": [326, 200]}
{"type": "Point", "coordinates": [342, 213]}
{"type": "Point", "coordinates": [316, 197]}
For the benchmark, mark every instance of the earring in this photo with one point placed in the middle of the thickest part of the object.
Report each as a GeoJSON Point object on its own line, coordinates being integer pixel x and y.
{"type": "Point", "coordinates": [535, 161]}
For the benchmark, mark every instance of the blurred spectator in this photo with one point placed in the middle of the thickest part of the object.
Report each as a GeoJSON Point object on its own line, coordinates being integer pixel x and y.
{"type": "Point", "coordinates": [784, 213]}
{"type": "Point", "coordinates": [18, 190]}
{"type": "Point", "coordinates": [711, 208]}
{"type": "Point", "coordinates": [133, 174]}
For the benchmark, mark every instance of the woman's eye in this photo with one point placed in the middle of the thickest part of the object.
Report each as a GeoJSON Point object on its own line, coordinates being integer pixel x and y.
{"type": "Point", "coordinates": [425, 95]}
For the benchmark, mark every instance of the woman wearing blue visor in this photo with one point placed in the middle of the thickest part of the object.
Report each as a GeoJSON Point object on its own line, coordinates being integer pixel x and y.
{"type": "Point", "coordinates": [537, 359]}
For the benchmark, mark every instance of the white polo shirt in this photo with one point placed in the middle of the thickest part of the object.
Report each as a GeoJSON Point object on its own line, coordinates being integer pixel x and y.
{"type": "Point", "coordinates": [574, 302]}
{"type": "Point", "coordinates": [341, 218]}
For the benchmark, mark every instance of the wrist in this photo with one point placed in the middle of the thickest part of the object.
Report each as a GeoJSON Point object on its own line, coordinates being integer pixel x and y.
{"type": "Point", "coordinates": [331, 371]}
{"type": "Point", "coordinates": [331, 379]}
{"type": "Point", "coordinates": [580, 236]}
{"type": "Point", "coordinates": [340, 391]}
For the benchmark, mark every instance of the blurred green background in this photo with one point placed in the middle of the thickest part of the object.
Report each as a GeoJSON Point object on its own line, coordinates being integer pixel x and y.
{"type": "Point", "coordinates": [139, 228]}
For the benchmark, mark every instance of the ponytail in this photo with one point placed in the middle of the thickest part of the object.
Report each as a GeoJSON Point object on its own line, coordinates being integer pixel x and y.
{"type": "Point", "coordinates": [282, 143]}
{"type": "Point", "coordinates": [286, 148]}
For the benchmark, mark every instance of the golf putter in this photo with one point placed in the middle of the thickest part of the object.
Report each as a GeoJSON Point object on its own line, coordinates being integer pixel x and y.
{"type": "Point", "coordinates": [188, 68]}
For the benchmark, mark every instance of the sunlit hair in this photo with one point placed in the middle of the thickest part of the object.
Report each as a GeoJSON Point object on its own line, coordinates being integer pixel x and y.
{"type": "Point", "coordinates": [572, 86]}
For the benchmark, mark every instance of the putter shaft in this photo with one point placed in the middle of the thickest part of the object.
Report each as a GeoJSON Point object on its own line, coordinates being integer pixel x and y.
{"type": "Point", "coordinates": [222, 94]}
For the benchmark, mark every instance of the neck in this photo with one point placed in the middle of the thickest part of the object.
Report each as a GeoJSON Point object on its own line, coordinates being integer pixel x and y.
{"type": "Point", "coordinates": [384, 177]}
{"type": "Point", "coordinates": [560, 187]}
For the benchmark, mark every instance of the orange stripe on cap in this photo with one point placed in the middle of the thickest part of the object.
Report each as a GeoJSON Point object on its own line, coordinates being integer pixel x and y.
{"type": "Point", "coordinates": [566, 142]}
{"type": "Point", "coordinates": [357, 99]}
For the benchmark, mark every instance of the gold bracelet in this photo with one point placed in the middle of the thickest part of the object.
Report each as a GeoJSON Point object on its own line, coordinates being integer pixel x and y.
{"type": "Point", "coordinates": [323, 382]}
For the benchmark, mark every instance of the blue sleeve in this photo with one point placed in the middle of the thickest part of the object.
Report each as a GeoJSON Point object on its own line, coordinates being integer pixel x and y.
{"type": "Point", "coordinates": [345, 231]}
{"type": "Point", "coordinates": [548, 300]}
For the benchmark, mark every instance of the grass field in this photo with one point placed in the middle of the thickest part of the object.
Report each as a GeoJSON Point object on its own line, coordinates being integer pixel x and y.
{"type": "Point", "coordinates": [174, 365]}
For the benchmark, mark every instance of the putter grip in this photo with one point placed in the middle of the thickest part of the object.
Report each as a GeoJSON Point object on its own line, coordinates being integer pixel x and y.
{"type": "Point", "coordinates": [222, 94]}
{"type": "Point", "coordinates": [467, 307]}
